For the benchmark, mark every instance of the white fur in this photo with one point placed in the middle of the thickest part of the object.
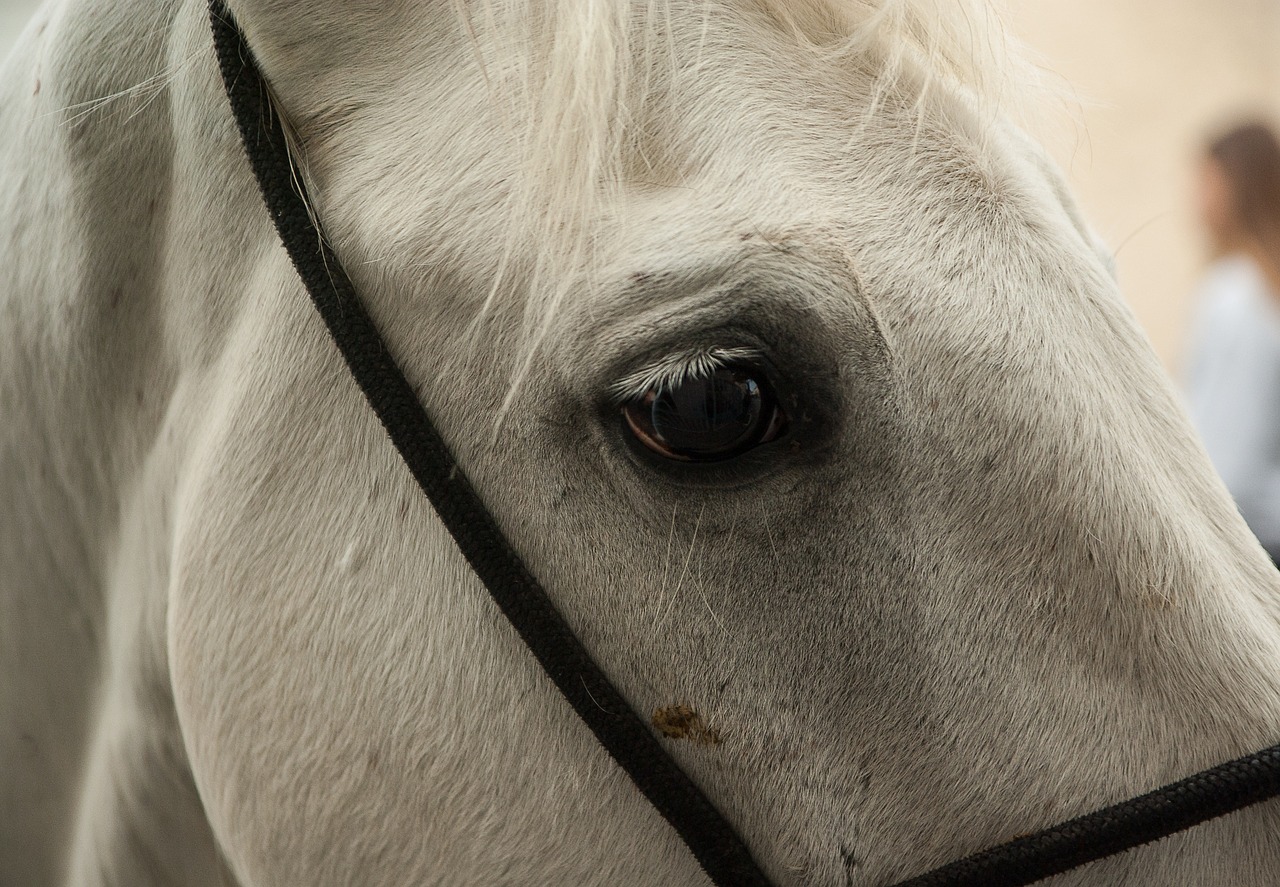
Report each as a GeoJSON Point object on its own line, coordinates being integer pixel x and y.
{"type": "Point", "coordinates": [990, 583]}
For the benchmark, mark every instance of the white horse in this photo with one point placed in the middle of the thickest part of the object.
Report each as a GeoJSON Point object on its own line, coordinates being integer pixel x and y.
{"type": "Point", "coordinates": [959, 571]}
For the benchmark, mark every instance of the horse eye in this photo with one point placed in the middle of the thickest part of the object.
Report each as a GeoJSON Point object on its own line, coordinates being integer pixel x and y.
{"type": "Point", "coordinates": [707, 418]}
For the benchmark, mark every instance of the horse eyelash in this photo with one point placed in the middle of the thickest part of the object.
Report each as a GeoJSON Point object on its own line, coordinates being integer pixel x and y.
{"type": "Point", "coordinates": [675, 369]}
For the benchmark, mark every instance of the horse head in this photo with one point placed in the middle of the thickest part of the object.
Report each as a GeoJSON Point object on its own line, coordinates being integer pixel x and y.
{"type": "Point", "coordinates": [784, 361]}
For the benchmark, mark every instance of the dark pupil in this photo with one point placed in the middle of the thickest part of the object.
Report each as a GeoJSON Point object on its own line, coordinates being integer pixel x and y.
{"type": "Point", "coordinates": [714, 416]}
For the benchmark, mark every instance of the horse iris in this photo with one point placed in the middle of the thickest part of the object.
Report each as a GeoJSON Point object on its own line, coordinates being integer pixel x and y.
{"type": "Point", "coordinates": [706, 418]}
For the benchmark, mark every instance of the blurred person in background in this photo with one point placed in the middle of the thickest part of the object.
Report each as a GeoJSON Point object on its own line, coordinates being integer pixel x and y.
{"type": "Point", "coordinates": [1232, 373]}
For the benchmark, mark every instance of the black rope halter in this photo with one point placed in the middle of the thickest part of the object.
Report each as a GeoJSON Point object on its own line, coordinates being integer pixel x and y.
{"type": "Point", "coordinates": [709, 836]}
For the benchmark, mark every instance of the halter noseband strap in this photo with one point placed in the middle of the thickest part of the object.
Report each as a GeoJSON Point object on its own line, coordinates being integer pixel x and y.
{"type": "Point", "coordinates": [604, 710]}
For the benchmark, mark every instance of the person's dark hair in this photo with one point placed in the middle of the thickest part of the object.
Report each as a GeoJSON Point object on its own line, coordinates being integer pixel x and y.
{"type": "Point", "coordinates": [1249, 156]}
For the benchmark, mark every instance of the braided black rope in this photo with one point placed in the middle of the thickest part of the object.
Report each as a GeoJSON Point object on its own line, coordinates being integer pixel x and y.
{"type": "Point", "coordinates": [517, 593]}
{"type": "Point", "coordinates": [1151, 817]}
{"type": "Point", "coordinates": [623, 734]}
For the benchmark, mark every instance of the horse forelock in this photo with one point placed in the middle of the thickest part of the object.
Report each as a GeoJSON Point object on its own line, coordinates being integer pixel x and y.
{"type": "Point", "coordinates": [585, 94]}
{"type": "Point", "coordinates": [591, 70]}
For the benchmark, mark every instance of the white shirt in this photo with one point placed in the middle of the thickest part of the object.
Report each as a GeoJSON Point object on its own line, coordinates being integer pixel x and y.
{"type": "Point", "coordinates": [1233, 388]}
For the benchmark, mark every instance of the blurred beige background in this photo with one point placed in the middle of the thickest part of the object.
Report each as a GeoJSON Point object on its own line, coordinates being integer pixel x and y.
{"type": "Point", "coordinates": [1152, 77]}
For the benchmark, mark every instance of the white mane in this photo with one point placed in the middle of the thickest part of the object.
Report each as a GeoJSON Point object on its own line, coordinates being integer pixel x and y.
{"type": "Point", "coordinates": [579, 76]}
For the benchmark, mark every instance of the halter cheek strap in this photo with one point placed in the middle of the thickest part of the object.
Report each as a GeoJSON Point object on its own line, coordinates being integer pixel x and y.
{"type": "Point", "coordinates": [624, 735]}
{"type": "Point", "coordinates": [516, 592]}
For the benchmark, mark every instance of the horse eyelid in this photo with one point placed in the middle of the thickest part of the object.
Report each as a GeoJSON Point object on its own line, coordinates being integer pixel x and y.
{"type": "Point", "coordinates": [675, 369]}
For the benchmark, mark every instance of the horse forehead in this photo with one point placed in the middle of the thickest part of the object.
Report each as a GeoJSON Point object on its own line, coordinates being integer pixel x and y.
{"type": "Point", "coordinates": [942, 211]}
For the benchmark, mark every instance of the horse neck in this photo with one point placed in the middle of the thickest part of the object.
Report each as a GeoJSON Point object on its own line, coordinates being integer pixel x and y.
{"type": "Point", "coordinates": [112, 187]}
